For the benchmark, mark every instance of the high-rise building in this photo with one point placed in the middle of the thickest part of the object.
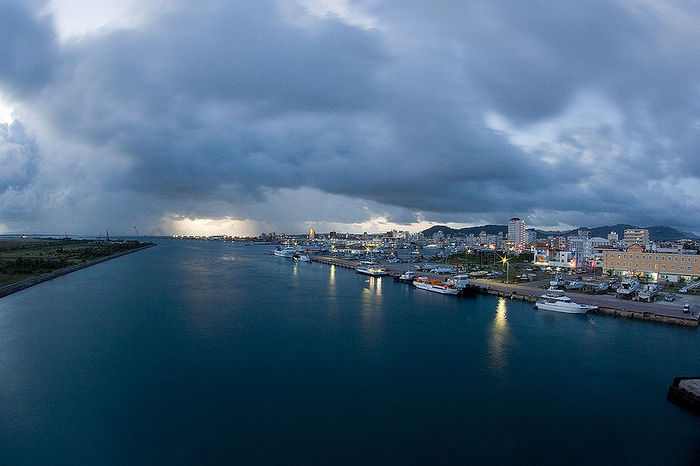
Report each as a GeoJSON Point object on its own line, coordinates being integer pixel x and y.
{"type": "Point", "coordinates": [516, 231]}
{"type": "Point", "coordinates": [637, 236]}
{"type": "Point", "coordinates": [312, 233]}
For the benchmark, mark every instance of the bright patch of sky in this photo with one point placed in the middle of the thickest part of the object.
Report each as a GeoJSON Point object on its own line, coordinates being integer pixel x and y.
{"type": "Point", "coordinates": [79, 17]}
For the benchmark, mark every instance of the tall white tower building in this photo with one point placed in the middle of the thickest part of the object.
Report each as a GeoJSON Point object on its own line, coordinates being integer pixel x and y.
{"type": "Point", "coordinates": [516, 231]}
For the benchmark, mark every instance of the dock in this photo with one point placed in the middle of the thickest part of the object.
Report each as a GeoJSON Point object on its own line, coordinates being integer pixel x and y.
{"type": "Point", "coordinates": [662, 312]}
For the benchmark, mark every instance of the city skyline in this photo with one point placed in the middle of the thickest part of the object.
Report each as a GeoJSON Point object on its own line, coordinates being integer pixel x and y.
{"type": "Point", "coordinates": [221, 118]}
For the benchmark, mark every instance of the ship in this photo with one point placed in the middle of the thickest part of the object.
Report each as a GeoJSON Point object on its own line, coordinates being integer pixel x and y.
{"type": "Point", "coordinates": [557, 303]}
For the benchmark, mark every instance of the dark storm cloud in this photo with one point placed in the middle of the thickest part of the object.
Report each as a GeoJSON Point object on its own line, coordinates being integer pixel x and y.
{"type": "Point", "coordinates": [231, 101]}
{"type": "Point", "coordinates": [28, 53]}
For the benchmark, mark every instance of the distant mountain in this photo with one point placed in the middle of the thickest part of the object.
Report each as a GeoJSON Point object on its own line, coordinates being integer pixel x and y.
{"type": "Point", "coordinates": [656, 233]}
{"type": "Point", "coordinates": [489, 229]}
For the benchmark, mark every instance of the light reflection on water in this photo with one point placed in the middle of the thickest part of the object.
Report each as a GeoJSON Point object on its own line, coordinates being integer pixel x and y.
{"type": "Point", "coordinates": [372, 310]}
{"type": "Point", "coordinates": [499, 335]}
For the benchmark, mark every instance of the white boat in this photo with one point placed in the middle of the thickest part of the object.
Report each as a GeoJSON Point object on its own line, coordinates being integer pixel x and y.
{"type": "Point", "coordinates": [558, 303]}
{"type": "Point", "coordinates": [575, 285]}
{"type": "Point", "coordinates": [442, 269]}
{"type": "Point", "coordinates": [285, 252]}
{"type": "Point", "coordinates": [479, 273]}
{"type": "Point", "coordinates": [627, 287]}
{"type": "Point", "coordinates": [557, 281]}
{"type": "Point", "coordinates": [436, 285]}
{"type": "Point", "coordinates": [461, 281]}
{"type": "Point", "coordinates": [603, 287]}
{"type": "Point", "coordinates": [372, 270]}
{"type": "Point", "coordinates": [648, 292]}
{"type": "Point", "coordinates": [303, 258]}
{"type": "Point", "coordinates": [407, 276]}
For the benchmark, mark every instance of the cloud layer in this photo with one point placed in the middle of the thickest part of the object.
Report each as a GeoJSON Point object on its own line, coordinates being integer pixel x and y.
{"type": "Point", "coordinates": [559, 113]}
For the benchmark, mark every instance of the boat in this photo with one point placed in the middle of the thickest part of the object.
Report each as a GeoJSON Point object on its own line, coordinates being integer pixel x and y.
{"type": "Point", "coordinates": [372, 270]}
{"type": "Point", "coordinates": [648, 292]}
{"type": "Point", "coordinates": [302, 258]}
{"type": "Point", "coordinates": [479, 273]}
{"type": "Point", "coordinates": [627, 287]}
{"type": "Point", "coordinates": [575, 285]}
{"type": "Point", "coordinates": [407, 276]}
{"type": "Point", "coordinates": [284, 252]}
{"type": "Point", "coordinates": [557, 281]}
{"type": "Point", "coordinates": [461, 281]}
{"type": "Point", "coordinates": [559, 303]}
{"type": "Point", "coordinates": [603, 287]}
{"type": "Point", "coordinates": [435, 284]}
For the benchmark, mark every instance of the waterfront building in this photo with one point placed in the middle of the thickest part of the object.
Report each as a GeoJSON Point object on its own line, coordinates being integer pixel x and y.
{"type": "Point", "coordinates": [516, 231]}
{"type": "Point", "coordinates": [545, 257]}
{"type": "Point", "coordinates": [636, 236]}
{"type": "Point", "coordinates": [636, 260]}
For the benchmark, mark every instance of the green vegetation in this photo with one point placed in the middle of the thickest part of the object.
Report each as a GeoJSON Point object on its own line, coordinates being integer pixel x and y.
{"type": "Point", "coordinates": [22, 258]}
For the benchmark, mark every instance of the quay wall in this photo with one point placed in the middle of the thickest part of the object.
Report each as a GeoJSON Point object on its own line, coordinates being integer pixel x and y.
{"type": "Point", "coordinates": [24, 284]}
{"type": "Point", "coordinates": [532, 294]}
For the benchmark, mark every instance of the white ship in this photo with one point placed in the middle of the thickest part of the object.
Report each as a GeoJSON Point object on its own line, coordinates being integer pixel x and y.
{"type": "Point", "coordinates": [285, 252]}
{"type": "Point", "coordinates": [372, 270]}
{"type": "Point", "coordinates": [550, 302]}
{"type": "Point", "coordinates": [436, 285]}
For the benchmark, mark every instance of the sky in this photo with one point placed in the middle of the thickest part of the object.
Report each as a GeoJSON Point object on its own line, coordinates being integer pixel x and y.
{"type": "Point", "coordinates": [220, 117]}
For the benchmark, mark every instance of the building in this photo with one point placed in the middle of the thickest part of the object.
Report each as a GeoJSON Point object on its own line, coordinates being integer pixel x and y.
{"type": "Point", "coordinates": [545, 257]}
{"type": "Point", "coordinates": [516, 231]}
{"type": "Point", "coordinates": [636, 236]}
{"type": "Point", "coordinates": [312, 233]}
{"type": "Point", "coordinates": [636, 260]}
{"type": "Point", "coordinates": [613, 237]}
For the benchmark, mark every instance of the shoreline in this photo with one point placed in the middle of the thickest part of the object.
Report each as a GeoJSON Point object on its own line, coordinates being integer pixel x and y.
{"type": "Point", "coordinates": [650, 312]}
{"type": "Point", "coordinates": [29, 282]}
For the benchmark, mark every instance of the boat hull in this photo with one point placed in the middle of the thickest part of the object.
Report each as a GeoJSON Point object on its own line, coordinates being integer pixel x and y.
{"type": "Point", "coordinates": [436, 289]}
{"type": "Point", "coordinates": [566, 309]}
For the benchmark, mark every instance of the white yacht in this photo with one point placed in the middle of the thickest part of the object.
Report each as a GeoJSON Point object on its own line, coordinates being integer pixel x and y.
{"type": "Point", "coordinates": [627, 287]}
{"type": "Point", "coordinates": [372, 270]}
{"type": "Point", "coordinates": [558, 303]}
{"type": "Point", "coordinates": [285, 252]}
{"type": "Point", "coordinates": [303, 258]}
{"type": "Point", "coordinates": [436, 285]}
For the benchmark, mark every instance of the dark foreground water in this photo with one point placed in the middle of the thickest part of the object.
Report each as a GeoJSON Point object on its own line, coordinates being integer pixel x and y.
{"type": "Point", "coordinates": [209, 353]}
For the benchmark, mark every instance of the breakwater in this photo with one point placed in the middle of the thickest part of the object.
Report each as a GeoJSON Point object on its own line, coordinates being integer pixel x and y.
{"type": "Point", "coordinates": [24, 284]}
{"type": "Point", "coordinates": [667, 313]}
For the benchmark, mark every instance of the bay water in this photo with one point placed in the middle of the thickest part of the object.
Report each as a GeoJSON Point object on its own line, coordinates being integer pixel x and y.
{"type": "Point", "coordinates": [198, 352]}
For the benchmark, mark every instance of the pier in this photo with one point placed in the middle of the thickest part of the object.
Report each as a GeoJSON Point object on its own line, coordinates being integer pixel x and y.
{"type": "Point", "coordinates": [663, 312]}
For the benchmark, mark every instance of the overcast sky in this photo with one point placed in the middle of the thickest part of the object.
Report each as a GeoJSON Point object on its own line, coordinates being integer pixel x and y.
{"type": "Point", "coordinates": [240, 117]}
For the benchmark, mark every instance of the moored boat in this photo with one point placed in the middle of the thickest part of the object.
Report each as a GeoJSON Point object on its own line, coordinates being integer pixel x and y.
{"type": "Point", "coordinates": [285, 252]}
{"type": "Point", "coordinates": [559, 303]}
{"type": "Point", "coordinates": [302, 258]}
{"type": "Point", "coordinates": [372, 270]}
{"type": "Point", "coordinates": [436, 285]}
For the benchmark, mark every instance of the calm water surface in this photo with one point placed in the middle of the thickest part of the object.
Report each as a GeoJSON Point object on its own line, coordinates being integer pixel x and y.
{"type": "Point", "coordinates": [210, 353]}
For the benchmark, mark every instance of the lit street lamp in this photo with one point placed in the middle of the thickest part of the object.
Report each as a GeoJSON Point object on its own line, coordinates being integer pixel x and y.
{"type": "Point", "coordinates": [505, 261]}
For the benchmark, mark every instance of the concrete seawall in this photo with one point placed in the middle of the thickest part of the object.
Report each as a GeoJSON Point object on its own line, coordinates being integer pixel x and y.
{"type": "Point", "coordinates": [24, 284]}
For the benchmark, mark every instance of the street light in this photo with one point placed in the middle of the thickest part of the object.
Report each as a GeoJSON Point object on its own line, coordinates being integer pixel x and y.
{"type": "Point", "coordinates": [505, 261]}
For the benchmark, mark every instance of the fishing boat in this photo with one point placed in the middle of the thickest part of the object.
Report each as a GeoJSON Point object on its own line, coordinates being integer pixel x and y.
{"type": "Point", "coordinates": [435, 284]}
{"type": "Point", "coordinates": [559, 303]}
